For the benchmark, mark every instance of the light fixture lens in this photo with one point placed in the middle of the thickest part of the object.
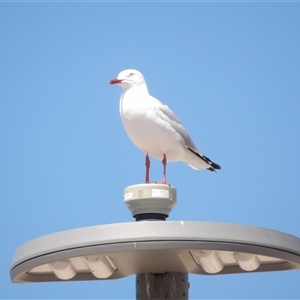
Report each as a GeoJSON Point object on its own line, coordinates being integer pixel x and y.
{"type": "Point", "coordinates": [62, 269]}
{"type": "Point", "coordinates": [247, 261]}
{"type": "Point", "coordinates": [209, 260]}
{"type": "Point", "coordinates": [100, 265]}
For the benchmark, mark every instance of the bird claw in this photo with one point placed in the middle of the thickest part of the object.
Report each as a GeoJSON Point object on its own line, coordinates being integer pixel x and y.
{"type": "Point", "coordinates": [164, 182]}
{"type": "Point", "coordinates": [155, 182]}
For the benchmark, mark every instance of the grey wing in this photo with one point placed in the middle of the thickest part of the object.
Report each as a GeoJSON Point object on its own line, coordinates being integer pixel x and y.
{"type": "Point", "coordinates": [167, 114]}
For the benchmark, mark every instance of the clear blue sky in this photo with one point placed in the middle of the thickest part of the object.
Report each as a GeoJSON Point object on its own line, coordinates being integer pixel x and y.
{"type": "Point", "coordinates": [230, 71]}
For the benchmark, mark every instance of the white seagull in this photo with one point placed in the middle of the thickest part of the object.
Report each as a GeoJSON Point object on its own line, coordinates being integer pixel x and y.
{"type": "Point", "coordinates": [154, 128]}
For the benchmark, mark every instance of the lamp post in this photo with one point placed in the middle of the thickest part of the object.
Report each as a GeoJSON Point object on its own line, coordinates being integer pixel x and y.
{"type": "Point", "coordinates": [160, 252]}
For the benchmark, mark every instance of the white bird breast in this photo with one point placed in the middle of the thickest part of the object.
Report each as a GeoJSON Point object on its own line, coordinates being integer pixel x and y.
{"type": "Point", "coordinates": [149, 131]}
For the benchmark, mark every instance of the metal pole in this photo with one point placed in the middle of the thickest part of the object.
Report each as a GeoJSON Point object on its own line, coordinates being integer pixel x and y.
{"type": "Point", "coordinates": [170, 285]}
{"type": "Point", "coordinates": [153, 202]}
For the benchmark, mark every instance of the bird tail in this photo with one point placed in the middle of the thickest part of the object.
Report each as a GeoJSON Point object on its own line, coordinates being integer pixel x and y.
{"type": "Point", "coordinates": [198, 161]}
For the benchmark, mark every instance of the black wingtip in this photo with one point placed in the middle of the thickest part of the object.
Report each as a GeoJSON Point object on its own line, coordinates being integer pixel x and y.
{"type": "Point", "coordinates": [213, 167]}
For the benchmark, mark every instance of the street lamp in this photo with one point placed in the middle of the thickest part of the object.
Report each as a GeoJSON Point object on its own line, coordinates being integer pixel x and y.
{"type": "Point", "coordinates": [160, 253]}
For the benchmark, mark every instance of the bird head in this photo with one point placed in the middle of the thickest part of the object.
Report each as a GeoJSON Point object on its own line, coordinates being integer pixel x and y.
{"type": "Point", "coordinates": [128, 79]}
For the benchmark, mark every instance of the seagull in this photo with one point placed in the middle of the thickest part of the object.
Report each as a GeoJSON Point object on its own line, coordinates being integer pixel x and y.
{"type": "Point", "coordinates": [154, 128]}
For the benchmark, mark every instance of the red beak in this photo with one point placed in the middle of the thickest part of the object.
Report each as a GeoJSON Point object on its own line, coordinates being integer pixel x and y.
{"type": "Point", "coordinates": [115, 81]}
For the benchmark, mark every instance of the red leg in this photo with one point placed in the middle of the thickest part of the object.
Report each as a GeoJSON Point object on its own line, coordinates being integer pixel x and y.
{"type": "Point", "coordinates": [164, 161]}
{"type": "Point", "coordinates": [147, 168]}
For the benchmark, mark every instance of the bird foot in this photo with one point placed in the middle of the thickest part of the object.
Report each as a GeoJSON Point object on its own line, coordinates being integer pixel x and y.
{"type": "Point", "coordinates": [163, 182]}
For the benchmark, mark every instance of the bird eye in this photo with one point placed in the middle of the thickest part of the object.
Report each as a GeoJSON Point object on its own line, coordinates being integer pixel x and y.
{"type": "Point", "coordinates": [130, 75]}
